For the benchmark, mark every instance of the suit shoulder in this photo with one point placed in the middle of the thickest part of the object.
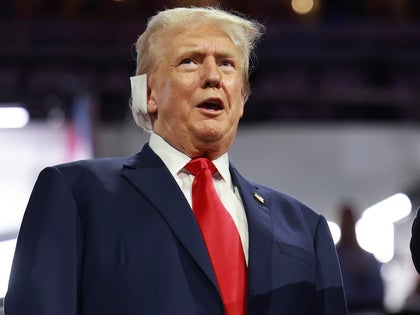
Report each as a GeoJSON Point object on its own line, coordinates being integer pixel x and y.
{"type": "Point", "coordinates": [98, 164]}
{"type": "Point", "coordinates": [86, 170]}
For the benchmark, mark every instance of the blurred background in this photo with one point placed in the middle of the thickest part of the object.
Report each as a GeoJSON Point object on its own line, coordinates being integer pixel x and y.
{"type": "Point", "coordinates": [333, 119]}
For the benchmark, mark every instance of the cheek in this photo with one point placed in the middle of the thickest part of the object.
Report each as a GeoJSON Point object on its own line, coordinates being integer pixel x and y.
{"type": "Point", "coordinates": [164, 95]}
{"type": "Point", "coordinates": [239, 110]}
{"type": "Point", "coordinates": [238, 100]}
{"type": "Point", "coordinates": [186, 84]}
{"type": "Point", "coordinates": [234, 84]}
{"type": "Point", "coordinates": [181, 88]}
{"type": "Point", "coordinates": [235, 90]}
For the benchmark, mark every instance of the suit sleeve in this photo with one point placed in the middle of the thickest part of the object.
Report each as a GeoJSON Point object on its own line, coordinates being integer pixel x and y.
{"type": "Point", "coordinates": [415, 242]}
{"type": "Point", "coordinates": [46, 267]}
{"type": "Point", "coordinates": [329, 286]}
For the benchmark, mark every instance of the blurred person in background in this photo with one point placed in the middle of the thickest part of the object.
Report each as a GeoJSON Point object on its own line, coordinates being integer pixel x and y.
{"type": "Point", "coordinates": [412, 302]}
{"type": "Point", "coordinates": [129, 235]}
{"type": "Point", "coordinates": [363, 284]}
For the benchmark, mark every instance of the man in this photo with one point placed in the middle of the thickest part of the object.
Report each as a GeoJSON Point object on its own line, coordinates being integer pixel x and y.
{"type": "Point", "coordinates": [127, 235]}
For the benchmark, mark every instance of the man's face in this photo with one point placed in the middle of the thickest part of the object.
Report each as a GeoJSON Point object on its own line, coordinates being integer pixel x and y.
{"type": "Point", "coordinates": [195, 92]}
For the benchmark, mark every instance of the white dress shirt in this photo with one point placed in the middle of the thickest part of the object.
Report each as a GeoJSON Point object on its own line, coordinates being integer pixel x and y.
{"type": "Point", "coordinates": [228, 193]}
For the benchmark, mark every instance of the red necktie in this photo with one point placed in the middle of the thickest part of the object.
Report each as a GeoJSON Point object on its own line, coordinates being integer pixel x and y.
{"type": "Point", "coordinates": [220, 235]}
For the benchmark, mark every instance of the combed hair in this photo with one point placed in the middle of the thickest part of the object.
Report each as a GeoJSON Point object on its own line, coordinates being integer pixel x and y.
{"type": "Point", "coordinates": [243, 32]}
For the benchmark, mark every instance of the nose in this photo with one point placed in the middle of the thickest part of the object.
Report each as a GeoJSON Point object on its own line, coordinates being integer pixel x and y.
{"type": "Point", "coordinates": [211, 75]}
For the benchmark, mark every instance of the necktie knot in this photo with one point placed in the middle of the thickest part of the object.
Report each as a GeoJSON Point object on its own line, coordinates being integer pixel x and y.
{"type": "Point", "coordinates": [199, 165]}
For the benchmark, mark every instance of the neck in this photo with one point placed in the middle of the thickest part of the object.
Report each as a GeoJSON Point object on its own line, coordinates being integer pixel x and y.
{"type": "Point", "coordinates": [210, 150]}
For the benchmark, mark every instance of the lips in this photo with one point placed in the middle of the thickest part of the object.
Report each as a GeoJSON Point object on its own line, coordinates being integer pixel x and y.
{"type": "Point", "coordinates": [213, 104]}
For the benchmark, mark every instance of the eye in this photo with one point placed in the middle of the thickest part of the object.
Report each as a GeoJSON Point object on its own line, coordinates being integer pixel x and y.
{"type": "Point", "coordinates": [227, 63]}
{"type": "Point", "coordinates": [188, 64]}
{"type": "Point", "coordinates": [186, 61]}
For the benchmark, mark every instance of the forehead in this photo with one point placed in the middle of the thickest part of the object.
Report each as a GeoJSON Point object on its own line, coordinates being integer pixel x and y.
{"type": "Point", "coordinates": [198, 37]}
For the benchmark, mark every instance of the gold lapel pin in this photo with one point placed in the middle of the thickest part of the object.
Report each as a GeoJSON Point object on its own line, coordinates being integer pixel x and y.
{"type": "Point", "coordinates": [258, 197]}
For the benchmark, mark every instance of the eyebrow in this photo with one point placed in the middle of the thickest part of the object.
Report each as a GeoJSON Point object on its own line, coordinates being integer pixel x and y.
{"type": "Point", "coordinates": [199, 51]}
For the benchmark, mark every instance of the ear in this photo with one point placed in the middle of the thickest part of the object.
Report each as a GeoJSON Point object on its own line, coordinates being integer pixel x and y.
{"type": "Point", "coordinates": [151, 97]}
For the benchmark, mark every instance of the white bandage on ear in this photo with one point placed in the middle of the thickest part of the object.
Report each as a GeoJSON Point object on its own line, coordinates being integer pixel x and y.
{"type": "Point", "coordinates": [139, 102]}
{"type": "Point", "coordinates": [139, 93]}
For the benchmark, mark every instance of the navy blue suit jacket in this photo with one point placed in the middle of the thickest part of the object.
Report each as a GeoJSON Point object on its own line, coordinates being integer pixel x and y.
{"type": "Point", "coordinates": [415, 241]}
{"type": "Point", "coordinates": [116, 236]}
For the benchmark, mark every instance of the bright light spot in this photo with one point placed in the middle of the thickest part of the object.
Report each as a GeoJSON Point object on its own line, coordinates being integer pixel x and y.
{"type": "Point", "coordinates": [7, 250]}
{"type": "Point", "coordinates": [376, 238]}
{"type": "Point", "coordinates": [13, 117]}
{"type": "Point", "coordinates": [12, 204]}
{"type": "Point", "coordinates": [375, 229]}
{"type": "Point", "coordinates": [391, 209]}
{"type": "Point", "coordinates": [302, 6]}
{"type": "Point", "coordinates": [335, 231]}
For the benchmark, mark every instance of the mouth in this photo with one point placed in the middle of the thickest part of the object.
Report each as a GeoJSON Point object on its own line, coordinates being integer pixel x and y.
{"type": "Point", "coordinates": [212, 105]}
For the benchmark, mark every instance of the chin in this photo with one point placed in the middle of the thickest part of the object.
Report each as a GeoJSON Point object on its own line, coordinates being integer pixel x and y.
{"type": "Point", "coordinates": [214, 132]}
{"type": "Point", "coordinates": [211, 137]}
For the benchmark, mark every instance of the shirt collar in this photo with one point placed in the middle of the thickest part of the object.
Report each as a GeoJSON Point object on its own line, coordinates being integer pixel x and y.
{"type": "Point", "coordinates": [176, 160]}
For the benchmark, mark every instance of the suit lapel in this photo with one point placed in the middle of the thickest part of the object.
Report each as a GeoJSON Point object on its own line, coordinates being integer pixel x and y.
{"type": "Point", "coordinates": [150, 176]}
{"type": "Point", "coordinates": [152, 179]}
{"type": "Point", "coordinates": [257, 208]}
